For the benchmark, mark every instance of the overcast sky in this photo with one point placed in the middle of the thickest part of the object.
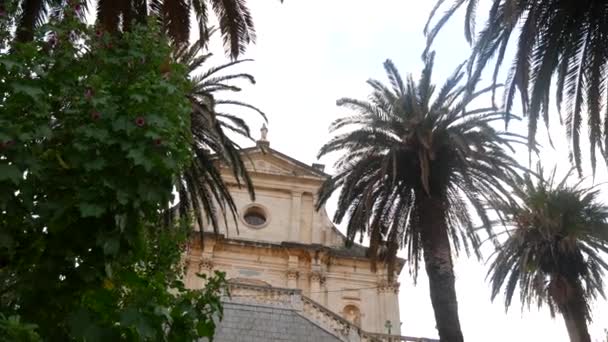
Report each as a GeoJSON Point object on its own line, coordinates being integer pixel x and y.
{"type": "Point", "coordinates": [310, 53]}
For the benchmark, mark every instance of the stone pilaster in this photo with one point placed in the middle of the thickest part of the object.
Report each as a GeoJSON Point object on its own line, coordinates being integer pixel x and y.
{"type": "Point", "coordinates": [296, 212]}
{"type": "Point", "coordinates": [317, 279]}
{"type": "Point", "coordinates": [388, 293]}
{"type": "Point", "coordinates": [315, 234]}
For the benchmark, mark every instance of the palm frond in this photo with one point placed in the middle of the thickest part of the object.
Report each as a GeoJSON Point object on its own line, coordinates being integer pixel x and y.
{"type": "Point", "coordinates": [557, 42]}
{"type": "Point", "coordinates": [235, 24]}
{"type": "Point", "coordinates": [175, 16]}
{"type": "Point", "coordinates": [202, 189]}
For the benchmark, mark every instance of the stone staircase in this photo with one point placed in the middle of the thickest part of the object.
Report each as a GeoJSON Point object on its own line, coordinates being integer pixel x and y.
{"type": "Point", "coordinates": [315, 313]}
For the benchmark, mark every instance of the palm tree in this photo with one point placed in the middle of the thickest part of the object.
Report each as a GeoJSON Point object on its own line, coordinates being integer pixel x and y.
{"type": "Point", "coordinates": [201, 189]}
{"type": "Point", "coordinates": [559, 41]}
{"type": "Point", "coordinates": [234, 17]}
{"type": "Point", "coordinates": [414, 163]}
{"type": "Point", "coordinates": [553, 250]}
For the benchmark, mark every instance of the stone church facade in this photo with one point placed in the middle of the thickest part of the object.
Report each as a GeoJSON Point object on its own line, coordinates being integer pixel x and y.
{"type": "Point", "coordinates": [287, 262]}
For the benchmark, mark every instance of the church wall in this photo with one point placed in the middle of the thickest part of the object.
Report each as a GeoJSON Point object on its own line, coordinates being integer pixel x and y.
{"type": "Point", "coordinates": [283, 195]}
{"type": "Point", "coordinates": [351, 282]}
{"type": "Point", "coordinates": [269, 269]}
{"type": "Point", "coordinates": [336, 283]}
{"type": "Point", "coordinates": [291, 215]}
{"type": "Point", "coordinates": [277, 205]}
{"type": "Point", "coordinates": [344, 284]}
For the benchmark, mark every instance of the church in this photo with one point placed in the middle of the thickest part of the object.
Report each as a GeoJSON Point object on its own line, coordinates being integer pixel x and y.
{"type": "Point", "coordinates": [291, 276]}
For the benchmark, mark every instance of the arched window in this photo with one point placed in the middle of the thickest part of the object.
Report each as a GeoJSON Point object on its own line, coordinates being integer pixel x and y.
{"type": "Point", "coordinates": [352, 314]}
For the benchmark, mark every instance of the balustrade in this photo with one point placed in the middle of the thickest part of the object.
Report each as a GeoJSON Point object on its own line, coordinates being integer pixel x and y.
{"type": "Point", "coordinates": [318, 314]}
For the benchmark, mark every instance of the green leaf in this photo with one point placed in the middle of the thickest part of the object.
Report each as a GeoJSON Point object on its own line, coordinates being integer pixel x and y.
{"type": "Point", "coordinates": [25, 136]}
{"type": "Point", "coordinates": [131, 317]}
{"type": "Point", "coordinates": [163, 311]}
{"type": "Point", "coordinates": [111, 246]}
{"type": "Point", "coordinates": [139, 158]}
{"type": "Point", "coordinates": [96, 164]}
{"type": "Point", "coordinates": [205, 328]}
{"type": "Point", "coordinates": [10, 172]}
{"type": "Point", "coordinates": [120, 124]}
{"type": "Point", "coordinates": [138, 98]}
{"type": "Point", "coordinates": [43, 131]}
{"type": "Point", "coordinates": [9, 64]}
{"type": "Point", "coordinates": [91, 210]}
{"type": "Point", "coordinates": [96, 133]}
{"type": "Point", "coordinates": [6, 241]}
{"type": "Point", "coordinates": [108, 267]}
{"type": "Point", "coordinates": [82, 326]}
{"type": "Point", "coordinates": [32, 92]}
{"type": "Point", "coordinates": [122, 197]}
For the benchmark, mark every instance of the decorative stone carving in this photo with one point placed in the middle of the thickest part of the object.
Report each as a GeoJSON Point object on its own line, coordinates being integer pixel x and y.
{"type": "Point", "coordinates": [293, 274]}
{"type": "Point", "coordinates": [388, 287]}
{"type": "Point", "coordinates": [292, 278]}
{"type": "Point", "coordinates": [316, 276]}
{"type": "Point", "coordinates": [206, 265]}
{"type": "Point", "coordinates": [265, 167]}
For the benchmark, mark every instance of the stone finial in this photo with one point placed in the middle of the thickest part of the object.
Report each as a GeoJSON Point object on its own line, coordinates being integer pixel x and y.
{"type": "Point", "coordinates": [264, 131]}
{"type": "Point", "coordinates": [263, 142]}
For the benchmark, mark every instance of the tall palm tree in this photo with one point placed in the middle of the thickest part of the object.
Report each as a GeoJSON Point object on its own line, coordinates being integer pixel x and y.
{"type": "Point", "coordinates": [553, 250]}
{"type": "Point", "coordinates": [415, 162]}
{"type": "Point", "coordinates": [561, 41]}
{"type": "Point", "coordinates": [201, 189]}
{"type": "Point", "coordinates": [234, 17]}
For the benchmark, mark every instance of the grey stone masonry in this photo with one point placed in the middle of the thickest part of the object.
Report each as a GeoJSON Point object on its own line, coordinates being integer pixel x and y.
{"type": "Point", "coordinates": [252, 323]}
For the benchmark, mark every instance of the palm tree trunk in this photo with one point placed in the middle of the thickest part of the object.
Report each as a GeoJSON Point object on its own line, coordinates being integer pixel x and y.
{"type": "Point", "coordinates": [575, 317]}
{"type": "Point", "coordinates": [439, 268]}
{"type": "Point", "coordinates": [31, 12]}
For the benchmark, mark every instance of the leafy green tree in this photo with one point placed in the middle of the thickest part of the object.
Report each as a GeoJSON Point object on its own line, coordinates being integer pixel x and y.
{"type": "Point", "coordinates": [415, 163]}
{"type": "Point", "coordinates": [234, 17]}
{"type": "Point", "coordinates": [559, 42]}
{"type": "Point", "coordinates": [95, 130]}
{"type": "Point", "coordinates": [12, 329]}
{"type": "Point", "coordinates": [553, 250]}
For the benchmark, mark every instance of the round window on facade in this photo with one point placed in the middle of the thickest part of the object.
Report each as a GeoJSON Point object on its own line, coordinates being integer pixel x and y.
{"type": "Point", "coordinates": [255, 216]}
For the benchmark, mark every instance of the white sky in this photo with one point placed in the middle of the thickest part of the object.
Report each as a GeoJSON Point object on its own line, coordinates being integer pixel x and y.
{"type": "Point", "coordinates": [310, 53]}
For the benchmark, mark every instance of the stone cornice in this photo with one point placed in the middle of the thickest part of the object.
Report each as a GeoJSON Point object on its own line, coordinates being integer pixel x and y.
{"type": "Point", "coordinates": [388, 287]}
{"type": "Point", "coordinates": [289, 248]}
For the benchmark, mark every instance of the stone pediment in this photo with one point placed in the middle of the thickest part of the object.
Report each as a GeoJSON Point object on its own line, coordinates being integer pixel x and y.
{"type": "Point", "coordinates": [262, 165]}
{"type": "Point", "coordinates": [269, 161]}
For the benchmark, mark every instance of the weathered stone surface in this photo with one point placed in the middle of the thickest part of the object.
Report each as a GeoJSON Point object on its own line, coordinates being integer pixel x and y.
{"type": "Point", "coordinates": [293, 246]}
{"type": "Point", "coordinates": [261, 324]}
